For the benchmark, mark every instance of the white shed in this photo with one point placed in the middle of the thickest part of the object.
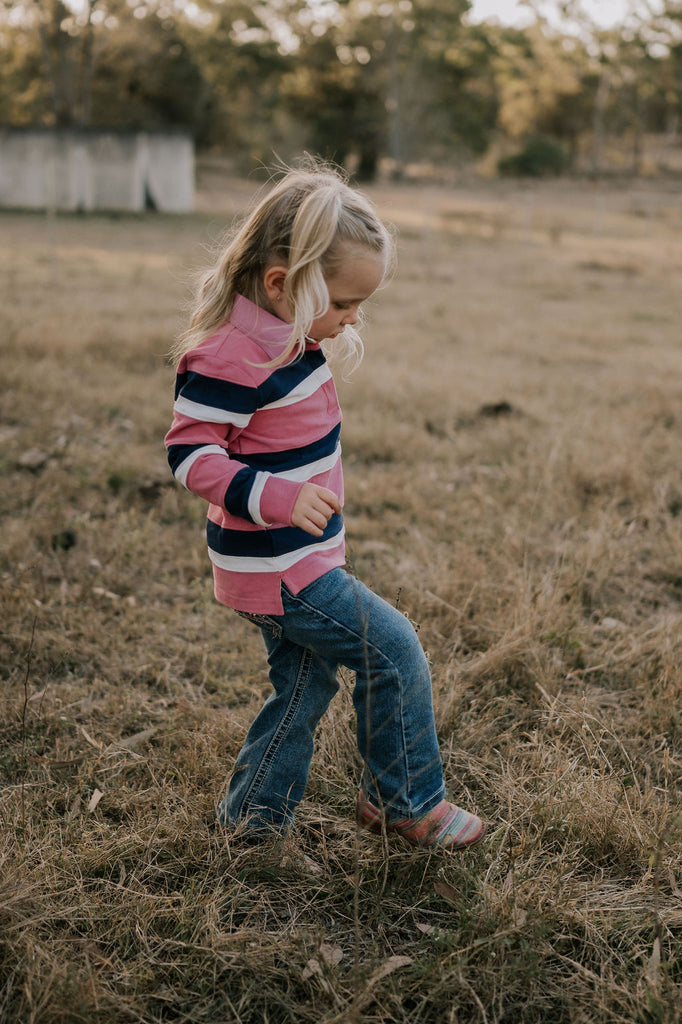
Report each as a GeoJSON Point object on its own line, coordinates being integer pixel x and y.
{"type": "Point", "coordinates": [72, 169]}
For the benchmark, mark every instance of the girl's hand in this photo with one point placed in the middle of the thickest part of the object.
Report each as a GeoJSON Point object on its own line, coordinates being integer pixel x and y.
{"type": "Point", "coordinates": [314, 508]}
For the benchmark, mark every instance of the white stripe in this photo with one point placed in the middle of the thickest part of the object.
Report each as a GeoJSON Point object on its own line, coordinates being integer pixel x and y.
{"type": "Point", "coordinates": [312, 469]}
{"type": "Point", "coordinates": [305, 389]}
{"type": "Point", "coordinates": [209, 413]}
{"type": "Point", "coordinates": [183, 469]}
{"type": "Point", "coordinates": [277, 563]}
{"type": "Point", "coordinates": [306, 472]}
{"type": "Point", "coordinates": [255, 496]}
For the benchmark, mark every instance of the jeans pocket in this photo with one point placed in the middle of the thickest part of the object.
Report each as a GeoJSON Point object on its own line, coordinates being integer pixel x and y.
{"type": "Point", "coordinates": [265, 622]}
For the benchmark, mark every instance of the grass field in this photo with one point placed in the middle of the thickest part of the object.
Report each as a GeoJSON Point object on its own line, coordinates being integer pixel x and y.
{"type": "Point", "coordinates": [513, 472]}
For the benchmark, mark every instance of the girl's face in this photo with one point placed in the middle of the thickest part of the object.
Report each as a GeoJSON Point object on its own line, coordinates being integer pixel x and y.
{"type": "Point", "coordinates": [355, 279]}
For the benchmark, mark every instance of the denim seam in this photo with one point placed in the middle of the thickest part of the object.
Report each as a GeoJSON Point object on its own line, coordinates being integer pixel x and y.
{"type": "Point", "coordinates": [287, 718]}
{"type": "Point", "coordinates": [263, 622]}
{"type": "Point", "coordinates": [410, 774]}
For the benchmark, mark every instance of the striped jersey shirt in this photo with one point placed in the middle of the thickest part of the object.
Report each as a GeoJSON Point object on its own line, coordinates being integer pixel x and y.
{"type": "Point", "coordinates": [246, 437]}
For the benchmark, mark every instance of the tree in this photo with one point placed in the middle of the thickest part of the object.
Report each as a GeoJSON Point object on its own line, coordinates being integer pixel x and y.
{"type": "Point", "coordinates": [50, 51]}
{"type": "Point", "coordinates": [398, 78]}
{"type": "Point", "coordinates": [107, 63]}
{"type": "Point", "coordinates": [145, 74]}
{"type": "Point", "coordinates": [664, 31]}
{"type": "Point", "coordinates": [623, 71]}
{"type": "Point", "coordinates": [242, 62]}
{"type": "Point", "coordinates": [539, 82]}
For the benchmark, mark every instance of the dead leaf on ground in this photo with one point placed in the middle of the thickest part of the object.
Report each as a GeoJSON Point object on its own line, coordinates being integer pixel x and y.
{"type": "Point", "coordinates": [447, 891]}
{"type": "Point", "coordinates": [130, 742]}
{"type": "Point", "coordinates": [332, 955]}
{"type": "Point", "coordinates": [94, 800]}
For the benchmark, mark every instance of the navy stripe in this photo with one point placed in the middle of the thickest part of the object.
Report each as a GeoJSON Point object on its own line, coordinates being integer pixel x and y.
{"type": "Point", "coordinates": [266, 543]}
{"type": "Point", "coordinates": [287, 378]}
{"type": "Point", "coordinates": [216, 393]}
{"type": "Point", "coordinates": [293, 458]}
{"type": "Point", "coordinates": [177, 453]}
{"type": "Point", "coordinates": [237, 494]}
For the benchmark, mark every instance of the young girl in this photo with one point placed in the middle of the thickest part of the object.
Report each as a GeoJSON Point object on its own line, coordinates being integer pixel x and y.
{"type": "Point", "coordinates": [256, 434]}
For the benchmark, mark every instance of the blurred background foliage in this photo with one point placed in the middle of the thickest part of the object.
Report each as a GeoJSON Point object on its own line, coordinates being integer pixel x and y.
{"type": "Point", "coordinates": [402, 82]}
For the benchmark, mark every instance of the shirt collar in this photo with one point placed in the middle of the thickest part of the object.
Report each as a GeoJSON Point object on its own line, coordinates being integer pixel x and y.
{"type": "Point", "coordinates": [271, 333]}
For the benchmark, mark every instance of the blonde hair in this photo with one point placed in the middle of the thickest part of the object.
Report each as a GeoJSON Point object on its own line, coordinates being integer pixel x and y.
{"type": "Point", "coordinates": [303, 222]}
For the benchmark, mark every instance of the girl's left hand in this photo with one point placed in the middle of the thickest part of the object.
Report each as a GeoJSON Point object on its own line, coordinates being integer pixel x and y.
{"type": "Point", "coordinates": [313, 508]}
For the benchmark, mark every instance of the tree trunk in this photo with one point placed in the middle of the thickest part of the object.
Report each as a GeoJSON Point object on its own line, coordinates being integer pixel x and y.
{"type": "Point", "coordinates": [598, 127]}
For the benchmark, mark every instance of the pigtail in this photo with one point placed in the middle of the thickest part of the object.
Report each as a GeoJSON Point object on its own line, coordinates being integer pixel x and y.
{"type": "Point", "coordinates": [312, 235]}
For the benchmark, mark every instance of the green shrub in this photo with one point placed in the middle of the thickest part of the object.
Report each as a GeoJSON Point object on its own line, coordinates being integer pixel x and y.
{"type": "Point", "coordinates": [541, 156]}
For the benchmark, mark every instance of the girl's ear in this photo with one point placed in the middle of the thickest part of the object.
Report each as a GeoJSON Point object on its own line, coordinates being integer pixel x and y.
{"type": "Point", "coordinates": [273, 281]}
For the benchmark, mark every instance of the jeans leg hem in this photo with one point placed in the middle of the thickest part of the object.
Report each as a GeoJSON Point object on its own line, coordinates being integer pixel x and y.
{"type": "Point", "coordinates": [402, 812]}
{"type": "Point", "coordinates": [428, 805]}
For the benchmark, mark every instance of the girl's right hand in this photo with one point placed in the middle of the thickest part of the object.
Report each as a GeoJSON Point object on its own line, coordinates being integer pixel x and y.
{"type": "Point", "coordinates": [313, 508]}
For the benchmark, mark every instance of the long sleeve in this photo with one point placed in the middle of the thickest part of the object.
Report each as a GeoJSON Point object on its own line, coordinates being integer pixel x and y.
{"type": "Point", "coordinates": [210, 413]}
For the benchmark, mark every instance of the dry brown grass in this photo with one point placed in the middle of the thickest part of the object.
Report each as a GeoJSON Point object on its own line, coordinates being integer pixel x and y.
{"type": "Point", "coordinates": [513, 475]}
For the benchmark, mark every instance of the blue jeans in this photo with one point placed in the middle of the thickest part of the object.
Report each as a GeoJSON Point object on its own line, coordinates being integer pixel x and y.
{"type": "Point", "coordinates": [334, 621]}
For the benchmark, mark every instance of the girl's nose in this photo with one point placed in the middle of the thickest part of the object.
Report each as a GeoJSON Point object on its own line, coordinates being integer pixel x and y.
{"type": "Point", "coordinates": [351, 316]}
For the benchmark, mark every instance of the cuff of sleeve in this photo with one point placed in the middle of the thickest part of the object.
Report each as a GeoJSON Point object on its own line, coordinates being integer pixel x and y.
{"type": "Point", "coordinates": [278, 499]}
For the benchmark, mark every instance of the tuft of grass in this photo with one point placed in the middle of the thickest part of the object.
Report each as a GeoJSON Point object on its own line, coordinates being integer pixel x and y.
{"type": "Point", "coordinates": [511, 454]}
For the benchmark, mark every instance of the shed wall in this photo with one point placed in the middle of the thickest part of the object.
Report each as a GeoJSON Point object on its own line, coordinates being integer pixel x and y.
{"type": "Point", "coordinates": [70, 170]}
